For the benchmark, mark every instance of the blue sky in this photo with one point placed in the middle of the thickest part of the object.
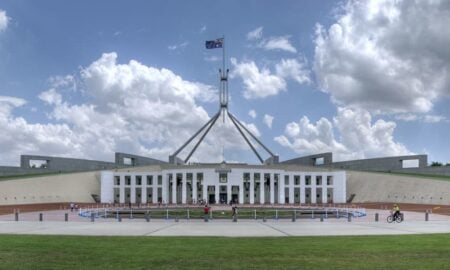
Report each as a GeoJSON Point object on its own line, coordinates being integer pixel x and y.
{"type": "Point", "coordinates": [88, 78]}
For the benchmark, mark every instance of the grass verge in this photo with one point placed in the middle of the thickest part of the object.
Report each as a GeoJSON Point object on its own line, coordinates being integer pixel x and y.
{"type": "Point", "coordinates": [355, 252]}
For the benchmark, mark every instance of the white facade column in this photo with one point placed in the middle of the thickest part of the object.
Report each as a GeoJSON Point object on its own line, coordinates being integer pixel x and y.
{"type": "Point", "coordinates": [261, 188]}
{"type": "Point", "coordinates": [165, 187]}
{"type": "Point", "coordinates": [122, 189]}
{"type": "Point", "coordinates": [313, 189]}
{"type": "Point", "coordinates": [194, 187]}
{"type": "Point", "coordinates": [144, 194]}
{"type": "Point", "coordinates": [281, 195]}
{"type": "Point", "coordinates": [205, 191]}
{"type": "Point", "coordinates": [133, 189]}
{"type": "Point", "coordinates": [228, 192]}
{"type": "Point", "coordinates": [324, 189]}
{"type": "Point", "coordinates": [252, 188]}
{"type": "Point", "coordinates": [241, 192]}
{"type": "Point", "coordinates": [302, 189]}
{"type": "Point", "coordinates": [107, 187]}
{"type": "Point", "coordinates": [155, 189]}
{"type": "Point", "coordinates": [291, 189]}
{"type": "Point", "coordinates": [216, 192]}
{"type": "Point", "coordinates": [183, 188]}
{"type": "Point", "coordinates": [174, 188]}
{"type": "Point", "coordinates": [272, 188]}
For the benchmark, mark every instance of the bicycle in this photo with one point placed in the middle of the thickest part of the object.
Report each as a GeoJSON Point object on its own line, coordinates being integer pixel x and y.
{"type": "Point", "coordinates": [399, 218]}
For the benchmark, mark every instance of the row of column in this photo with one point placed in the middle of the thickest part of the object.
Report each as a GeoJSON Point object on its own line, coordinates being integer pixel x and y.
{"type": "Point", "coordinates": [281, 189]}
{"type": "Point", "coordinates": [143, 188]}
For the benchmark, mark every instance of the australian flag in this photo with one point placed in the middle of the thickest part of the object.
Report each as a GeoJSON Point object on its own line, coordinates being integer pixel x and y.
{"type": "Point", "coordinates": [213, 44]}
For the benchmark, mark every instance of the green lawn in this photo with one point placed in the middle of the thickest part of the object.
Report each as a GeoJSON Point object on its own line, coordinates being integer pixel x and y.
{"type": "Point", "coordinates": [363, 252]}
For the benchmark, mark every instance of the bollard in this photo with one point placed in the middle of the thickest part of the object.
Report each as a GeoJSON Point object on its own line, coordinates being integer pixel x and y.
{"type": "Point", "coordinates": [147, 217]}
{"type": "Point", "coordinates": [349, 217]}
{"type": "Point", "coordinates": [294, 216]}
{"type": "Point", "coordinates": [41, 217]}
{"type": "Point", "coordinates": [376, 217]}
{"type": "Point", "coordinates": [176, 218]}
{"type": "Point", "coordinates": [426, 216]}
{"type": "Point", "coordinates": [16, 216]}
{"type": "Point", "coordinates": [264, 218]}
{"type": "Point", "coordinates": [66, 217]}
{"type": "Point", "coordinates": [119, 218]}
{"type": "Point", "coordinates": [92, 217]}
{"type": "Point", "coordinates": [206, 217]}
{"type": "Point", "coordinates": [234, 218]}
{"type": "Point", "coordinates": [321, 218]}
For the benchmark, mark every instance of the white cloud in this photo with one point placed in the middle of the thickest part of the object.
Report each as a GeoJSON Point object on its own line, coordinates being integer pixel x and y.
{"type": "Point", "coordinates": [434, 118]}
{"type": "Point", "coordinates": [212, 58]}
{"type": "Point", "coordinates": [278, 43]}
{"type": "Point", "coordinates": [131, 108]}
{"type": "Point", "coordinates": [203, 29]}
{"type": "Point", "coordinates": [258, 84]}
{"type": "Point", "coordinates": [263, 83]}
{"type": "Point", "coordinates": [178, 46]}
{"type": "Point", "coordinates": [386, 56]}
{"type": "Point", "coordinates": [409, 117]}
{"type": "Point", "coordinates": [255, 34]}
{"type": "Point", "coordinates": [268, 120]}
{"type": "Point", "coordinates": [252, 114]}
{"type": "Point", "coordinates": [3, 20]}
{"type": "Point", "coordinates": [359, 136]}
{"type": "Point", "coordinates": [292, 68]}
{"type": "Point", "coordinates": [51, 97]}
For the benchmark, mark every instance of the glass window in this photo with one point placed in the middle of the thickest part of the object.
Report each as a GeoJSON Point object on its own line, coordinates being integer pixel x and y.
{"type": "Point", "coordinates": [319, 180]}
{"type": "Point", "coordinates": [223, 177]}
{"type": "Point", "coordinates": [149, 180]}
{"type": "Point", "coordinates": [138, 180]}
{"type": "Point", "coordinates": [329, 180]}
{"type": "Point", "coordinates": [308, 180]}
{"type": "Point", "coordinates": [159, 179]}
{"type": "Point", "coordinates": [297, 179]}
{"type": "Point", "coordinates": [286, 180]}
{"type": "Point", "coordinates": [117, 180]}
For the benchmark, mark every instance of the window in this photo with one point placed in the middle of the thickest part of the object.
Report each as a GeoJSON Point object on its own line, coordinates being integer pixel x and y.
{"type": "Point", "coordinates": [222, 177]}
{"type": "Point", "coordinates": [149, 180]}
{"type": "Point", "coordinates": [319, 161]}
{"type": "Point", "coordinates": [38, 163]}
{"type": "Point", "coordinates": [412, 163]}
{"type": "Point", "coordinates": [159, 179]}
{"type": "Point", "coordinates": [128, 161]}
{"type": "Point", "coordinates": [286, 180]}
{"type": "Point", "coordinates": [308, 180]}
{"type": "Point", "coordinates": [138, 180]}
{"type": "Point", "coordinates": [127, 180]}
{"type": "Point", "coordinates": [319, 180]}
{"type": "Point", "coordinates": [117, 180]}
{"type": "Point", "coordinates": [329, 180]}
{"type": "Point", "coordinates": [297, 179]}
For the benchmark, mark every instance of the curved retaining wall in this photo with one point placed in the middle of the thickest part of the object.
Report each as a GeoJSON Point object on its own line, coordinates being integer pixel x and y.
{"type": "Point", "coordinates": [380, 187]}
{"type": "Point", "coordinates": [75, 187]}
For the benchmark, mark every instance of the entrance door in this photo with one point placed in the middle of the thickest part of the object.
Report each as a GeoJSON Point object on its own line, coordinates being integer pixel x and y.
{"type": "Point", "coordinates": [223, 198]}
{"type": "Point", "coordinates": [235, 198]}
{"type": "Point", "coordinates": [212, 198]}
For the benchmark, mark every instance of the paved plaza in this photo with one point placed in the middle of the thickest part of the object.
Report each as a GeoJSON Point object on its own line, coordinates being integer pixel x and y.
{"type": "Point", "coordinates": [54, 224]}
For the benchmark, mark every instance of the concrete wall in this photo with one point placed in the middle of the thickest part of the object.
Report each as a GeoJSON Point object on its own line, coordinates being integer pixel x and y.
{"type": "Point", "coordinates": [380, 164]}
{"type": "Point", "coordinates": [136, 160]}
{"type": "Point", "coordinates": [311, 160]}
{"type": "Point", "coordinates": [383, 187]}
{"type": "Point", "coordinates": [76, 187]}
{"type": "Point", "coordinates": [439, 170]}
{"type": "Point", "coordinates": [62, 164]}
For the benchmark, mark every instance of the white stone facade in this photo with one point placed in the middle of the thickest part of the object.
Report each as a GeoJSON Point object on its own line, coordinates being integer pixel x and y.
{"type": "Point", "coordinates": [220, 185]}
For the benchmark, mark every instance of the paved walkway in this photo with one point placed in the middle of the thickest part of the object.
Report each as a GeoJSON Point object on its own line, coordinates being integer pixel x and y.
{"type": "Point", "coordinates": [414, 224]}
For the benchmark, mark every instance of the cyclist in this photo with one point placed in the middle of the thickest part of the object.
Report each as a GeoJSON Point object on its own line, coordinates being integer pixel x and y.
{"type": "Point", "coordinates": [396, 211]}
